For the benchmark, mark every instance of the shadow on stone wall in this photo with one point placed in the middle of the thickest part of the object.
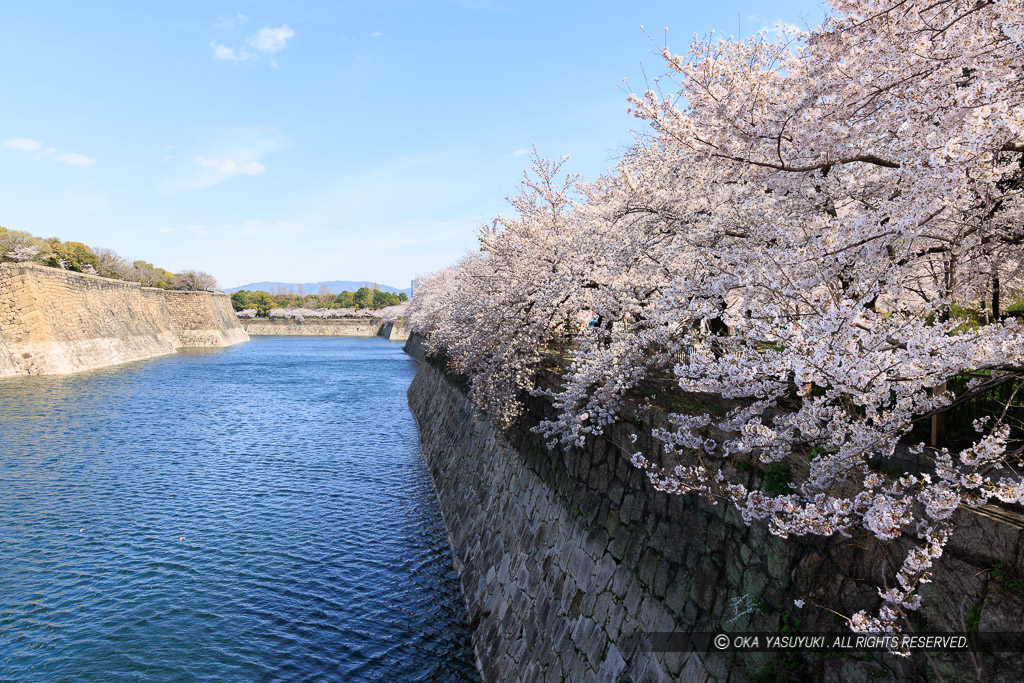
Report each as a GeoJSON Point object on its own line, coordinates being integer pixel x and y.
{"type": "Point", "coordinates": [570, 560]}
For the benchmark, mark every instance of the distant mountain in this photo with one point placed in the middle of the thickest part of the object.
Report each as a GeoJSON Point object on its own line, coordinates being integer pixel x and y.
{"type": "Point", "coordinates": [334, 287]}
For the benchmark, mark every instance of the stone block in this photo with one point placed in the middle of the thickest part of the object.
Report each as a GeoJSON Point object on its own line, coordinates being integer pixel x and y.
{"type": "Point", "coordinates": [986, 534]}
{"type": "Point", "coordinates": [612, 666]}
{"type": "Point", "coordinates": [694, 558]}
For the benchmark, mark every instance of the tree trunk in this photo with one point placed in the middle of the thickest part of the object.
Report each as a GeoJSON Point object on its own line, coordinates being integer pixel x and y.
{"type": "Point", "coordinates": [938, 421]}
{"type": "Point", "coordinates": [995, 298]}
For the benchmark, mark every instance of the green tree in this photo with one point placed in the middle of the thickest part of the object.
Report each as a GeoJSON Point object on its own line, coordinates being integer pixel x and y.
{"type": "Point", "coordinates": [363, 298]}
{"type": "Point", "coordinates": [150, 276]}
{"type": "Point", "coordinates": [11, 241]}
{"type": "Point", "coordinates": [71, 256]}
{"type": "Point", "coordinates": [262, 302]}
{"type": "Point", "coordinates": [242, 299]}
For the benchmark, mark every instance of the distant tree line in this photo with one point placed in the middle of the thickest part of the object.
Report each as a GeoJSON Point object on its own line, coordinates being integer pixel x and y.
{"type": "Point", "coordinates": [22, 247]}
{"type": "Point", "coordinates": [361, 299]}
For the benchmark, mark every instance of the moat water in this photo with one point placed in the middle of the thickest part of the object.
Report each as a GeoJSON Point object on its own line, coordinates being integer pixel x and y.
{"type": "Point", "coordinates": [260, 512]}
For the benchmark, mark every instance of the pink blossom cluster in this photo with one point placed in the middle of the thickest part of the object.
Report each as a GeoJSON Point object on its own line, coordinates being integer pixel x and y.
{"type": "Point", "coordinates": [22, 253]}
{"type": "Point", "coordinates": [794, 232]}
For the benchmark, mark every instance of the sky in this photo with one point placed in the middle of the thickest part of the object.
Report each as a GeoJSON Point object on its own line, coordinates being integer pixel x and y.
{"type": "Point", "coordinates": [307, 141]}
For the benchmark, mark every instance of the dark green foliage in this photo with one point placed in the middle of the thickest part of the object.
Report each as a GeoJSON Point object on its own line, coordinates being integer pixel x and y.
{"type": "Point", "coordinates": [71, 256]}
{"type": "Point", "coordinates": [1004, 573]}
{"type": "Point", "coordinates": [671, 397]}
{"type": "Point", "coordinates": [960, 419]}
{"type": "Point", "coordinates": [816, 451]}
{"type": "Point", "coordinates": [972, 318]}
{"type": "Point", "coordinates": [770, 673]}
{"type": "Point", "coordinates": [365, 297]}
{"type": "Point", "coordinates": [80, 258]}
{"type": "Point", "coordinates": [973, 619]}
{"type": "Point", "coordinates": [763, 606]}
{"type": "Point", "coordinates": [790, 660]}
{"type": "Point", "coordinates": [776, 479]}
{"type": "Point", "coordinates": [262, 302]}
{"type": "Point", "coordinates": [1016, 308]}
{"type": "Point", "coordinates": [894, 471]}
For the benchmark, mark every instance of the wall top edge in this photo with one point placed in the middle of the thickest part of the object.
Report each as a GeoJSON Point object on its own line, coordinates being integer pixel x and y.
{"type": "Point", "coordinates": [25, 267]}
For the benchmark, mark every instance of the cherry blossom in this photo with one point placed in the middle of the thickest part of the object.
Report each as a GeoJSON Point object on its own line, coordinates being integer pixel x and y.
{"type": "Point", "coordinates": [793, 233]}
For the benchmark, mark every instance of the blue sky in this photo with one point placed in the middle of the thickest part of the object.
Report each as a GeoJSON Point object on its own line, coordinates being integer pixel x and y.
{"type": "Point", "coordinates": [304, 141]}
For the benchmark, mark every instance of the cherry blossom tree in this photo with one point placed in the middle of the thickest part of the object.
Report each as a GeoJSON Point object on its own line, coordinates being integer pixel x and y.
{"type": "Point", "coordinates": [23, 253]}
{"type": "Point", "coordinates": [871, 187]}
{"type": "Point", "coordinates": [427, 310]}
{"type": "Point", "coordinates": [387, 314]}
{"type": "Point", "coordinates": [794, 232]}
{"type": "Point", "coordinates": [194, 281]}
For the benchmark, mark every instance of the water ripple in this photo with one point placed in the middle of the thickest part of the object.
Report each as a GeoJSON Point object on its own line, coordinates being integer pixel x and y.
{"type": "Point", "coordinates": [254, 513]}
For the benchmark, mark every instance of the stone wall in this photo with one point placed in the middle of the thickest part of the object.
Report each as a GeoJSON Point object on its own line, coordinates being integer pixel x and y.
{"type": "Point", "coordinates": [415, 347]}
{"type": "Point", "coordinates": [55, 321]}
{"type": "Point", "coordinates": [327, 327]}
{"type": "Point", "coordinates": [204, 319]}
{"type": "Point", "coordinates": [569, 561]}
{"type": "Point", "coordinates": [397, 330]}
{"type": "Point", "coordinates": [6, 362]}
{"type": "Point", "coordinates": [313, 327]}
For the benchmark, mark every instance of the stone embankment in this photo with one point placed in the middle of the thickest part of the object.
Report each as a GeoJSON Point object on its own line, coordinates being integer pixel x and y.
{"type": "Point", "coordinates": [327, 327]}
{"type": "Point", "coordinates": [416, 348]}
{"type": "Point", "coordinates": [395, 330]}
{"type": "Point", "coordinates": [56, 322]}
{"type": "Point", "coordinates": [570, 563]}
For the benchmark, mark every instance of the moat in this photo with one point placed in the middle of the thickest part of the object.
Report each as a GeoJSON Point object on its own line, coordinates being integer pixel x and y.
{"type": "Point", "coordinates": [250, 513]}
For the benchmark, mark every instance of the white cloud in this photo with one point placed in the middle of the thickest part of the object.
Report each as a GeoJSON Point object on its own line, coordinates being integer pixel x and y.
{"type": "Point", "coordinates": [788, 29]}
{"type": "Point", "coordinates": [271, 39]}
{"type": "Point", "coordinates": [24, 144]}
{"type": "Point", "coordinates": [520, 152]}
{"type": "Point", "coordinates": [30, 145]}
{"type": "Point", "coordinates": [778, 26]}
{"type": "Point", "coordinates": [230, 167]}
{"type": "Point", "coordinates": [230, 22]}
{"type": "Point", "coordinates": [375, 34]}
{"type": "Point", "coordinates": [76, 160]}
{"type": "Point", "coordinates": [222, 153]}
{"type": "Point", "coordinates": [229, 54]}
{"type": "Point", "coordinates": [266, 40]}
